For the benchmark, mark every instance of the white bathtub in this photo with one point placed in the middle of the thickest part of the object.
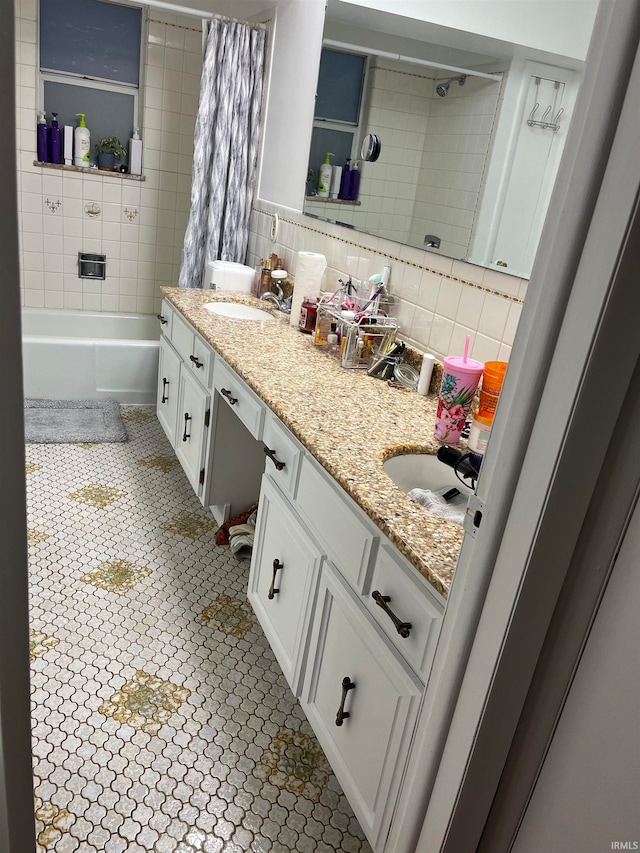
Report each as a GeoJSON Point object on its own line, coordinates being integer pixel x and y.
{"type": "Point", "coordinates": [79, 355]}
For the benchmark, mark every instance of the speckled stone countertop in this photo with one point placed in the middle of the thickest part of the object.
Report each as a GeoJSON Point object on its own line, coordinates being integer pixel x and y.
{"type": "Point", "coordinates": [349, 421]}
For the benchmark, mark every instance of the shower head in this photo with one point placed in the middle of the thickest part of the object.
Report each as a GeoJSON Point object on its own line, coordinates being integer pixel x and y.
{"type": "Point", "coordinates": [442, 89]}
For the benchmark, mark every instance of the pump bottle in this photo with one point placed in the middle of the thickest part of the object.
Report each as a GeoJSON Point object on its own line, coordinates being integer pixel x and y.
{"type": "Point", "coordinates": [324, 179]}
{"type": "Point", "coordinates": [55, 140]}
{"type": "Point", "coordinates": [81, 143]}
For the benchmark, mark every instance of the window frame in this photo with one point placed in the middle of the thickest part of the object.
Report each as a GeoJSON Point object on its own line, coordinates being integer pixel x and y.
{"type": "Point", "coordinates": [99, 83]}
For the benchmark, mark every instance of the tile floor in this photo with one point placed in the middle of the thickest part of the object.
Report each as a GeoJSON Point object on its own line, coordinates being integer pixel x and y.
{"type": "Point", "coordinates": [161, 720]}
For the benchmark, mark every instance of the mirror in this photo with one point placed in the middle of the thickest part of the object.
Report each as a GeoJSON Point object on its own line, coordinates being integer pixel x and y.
{"type": "Point", "coordinates": [470, 126]}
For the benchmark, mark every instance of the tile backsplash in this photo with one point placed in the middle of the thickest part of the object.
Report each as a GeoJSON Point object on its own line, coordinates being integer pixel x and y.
{"type": "Point", "coordinates": [436, 300]}
{"type": "Point", "coordinates": [138, 224]}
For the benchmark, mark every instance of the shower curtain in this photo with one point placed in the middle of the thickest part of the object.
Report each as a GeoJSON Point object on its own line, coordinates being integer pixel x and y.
{"type": "Point", "coordinates": [225, 148]}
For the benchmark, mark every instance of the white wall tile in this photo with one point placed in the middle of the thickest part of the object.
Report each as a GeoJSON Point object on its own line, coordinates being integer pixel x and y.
{"type": "Point", "coordinates": [494, 314]}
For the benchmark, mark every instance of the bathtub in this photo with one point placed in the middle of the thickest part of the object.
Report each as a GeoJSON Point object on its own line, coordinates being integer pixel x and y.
{"type": "Point", "coordinates": [80, 355]}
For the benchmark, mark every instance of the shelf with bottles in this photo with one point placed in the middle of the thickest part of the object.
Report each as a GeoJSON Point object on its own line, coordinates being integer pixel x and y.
{"type": "Point", "coordinates": [90, 171]}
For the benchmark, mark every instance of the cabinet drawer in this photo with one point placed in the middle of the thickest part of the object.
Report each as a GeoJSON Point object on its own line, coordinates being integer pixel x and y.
{"type": "Point", "coordinates": [282, 580]}
{"type": "Point", "coordinates": [340, 525]}
{"type": "Point", "coordinates": [201, 360]}
{"type": "Point", "coordinates": [165, 318]}
{"type": "Point", "coordinates": [283, 461]}
{"type": "Point", "coordinates": [353, 668]}
{"type": "Point", "coordinates": [182, 335]}
{"type": "Point", "coordinates": [418, 611]}
{"type": "Point", "coordinates": [235, 393]}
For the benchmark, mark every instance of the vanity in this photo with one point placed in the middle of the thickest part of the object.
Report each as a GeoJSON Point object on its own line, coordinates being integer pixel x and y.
{"type": "Point", "coordinates": [348, 577]}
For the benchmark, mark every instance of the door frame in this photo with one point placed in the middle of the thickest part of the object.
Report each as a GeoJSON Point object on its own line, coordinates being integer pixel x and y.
{"type": "Point", "coordinates": [546, 463]}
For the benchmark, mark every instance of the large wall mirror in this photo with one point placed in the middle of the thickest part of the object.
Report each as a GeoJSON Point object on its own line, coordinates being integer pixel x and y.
{"type": "Point", "coordinates": [470, 102]}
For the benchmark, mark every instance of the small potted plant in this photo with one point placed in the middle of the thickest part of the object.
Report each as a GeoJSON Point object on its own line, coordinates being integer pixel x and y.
{"type": "Point", "coordinates": [108, 151]}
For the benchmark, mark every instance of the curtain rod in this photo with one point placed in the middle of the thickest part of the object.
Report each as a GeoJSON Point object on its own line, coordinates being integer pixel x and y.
{"type": "Point", "coordinates": [198, 13]}
{"type": "Point", "coordinates": [412, 59]}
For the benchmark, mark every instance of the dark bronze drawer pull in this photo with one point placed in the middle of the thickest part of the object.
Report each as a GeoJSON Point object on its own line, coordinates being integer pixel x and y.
{"type": "Point", "coordinates": [195, 361]}
{"type": "Point", "coordinates": [403, 628]}
{"type": "Point", "coordinates": [163, 322]}
{"type": "Point", "coordinates": [272, 456]}
{"type": "Point", "coordinates": [187, 418]}
{"type": "Point", "coordinates": [227, 394]}
{"type": "Point", "coordinates": [165, 385]}
{"type": "Point", "coordinates": [342, 715]}
{"type": "Point", "coordinates": [277, 565]}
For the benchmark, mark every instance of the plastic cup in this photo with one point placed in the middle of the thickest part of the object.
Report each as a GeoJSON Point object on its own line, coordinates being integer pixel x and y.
{"type": "Point", "coordinates": [459, 384]}
{"type": "Point", "coordinates": [492, 380]}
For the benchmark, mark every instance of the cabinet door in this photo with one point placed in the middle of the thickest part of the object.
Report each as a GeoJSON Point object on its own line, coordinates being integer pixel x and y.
{"type": "Point", "coordinates": [352, 668]}
{"type": "Point", "coordinates": [282, 580]}
{"type": "Point", "coordinates": [168, 380]}
{"type": "Point", "coordinates": [192, 428]}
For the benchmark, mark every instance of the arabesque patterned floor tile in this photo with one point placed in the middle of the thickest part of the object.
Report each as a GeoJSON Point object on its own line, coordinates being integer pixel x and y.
{"type": "Point", "coordinates": [161, 720]}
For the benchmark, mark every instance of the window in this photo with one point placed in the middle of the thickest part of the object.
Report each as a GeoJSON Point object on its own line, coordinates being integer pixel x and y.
{"type": "Point", "coordinates": [339, 107]}
{"type": "Point", "coordinates": [90, 63]}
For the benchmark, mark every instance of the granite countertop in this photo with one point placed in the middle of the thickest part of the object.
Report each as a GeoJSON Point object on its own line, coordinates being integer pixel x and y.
{"type": "Point", "coordinates": [349, 421]}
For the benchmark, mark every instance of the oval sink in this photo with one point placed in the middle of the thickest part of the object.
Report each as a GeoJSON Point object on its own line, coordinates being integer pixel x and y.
{"type": "Point", "coordinates": [420, 471]}
{"type": "Point", "coordinates": [237, 311]}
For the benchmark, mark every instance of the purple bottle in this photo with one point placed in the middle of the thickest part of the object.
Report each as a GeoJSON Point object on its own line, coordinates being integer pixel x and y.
{"type": "Point", "coordinates": [345, 182]}
{"type": "Point", "coordinates": [355, 183]}
{"type": "Point", "coordinates": [55, 140]}
{"type": "Point", "coordinates": [42, 139]}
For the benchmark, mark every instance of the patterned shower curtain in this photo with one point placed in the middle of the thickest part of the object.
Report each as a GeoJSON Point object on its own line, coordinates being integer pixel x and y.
{"type": "Point", "coordinates": [225, 149]}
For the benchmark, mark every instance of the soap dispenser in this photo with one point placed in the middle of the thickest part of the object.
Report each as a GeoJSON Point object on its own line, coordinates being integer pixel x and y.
{"type": "Point", "coordinates": [324, 179]}
{"type": "Point", "coordinates": [43, 138]}
{"type": "Point", "coordinates": [55, 140]}
{"type": "Point", "coordinates": [81, 143]}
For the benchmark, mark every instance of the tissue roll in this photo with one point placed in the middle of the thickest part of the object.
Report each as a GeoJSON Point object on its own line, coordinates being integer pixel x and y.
{"type": "Point", "coordinates": [309, 271]}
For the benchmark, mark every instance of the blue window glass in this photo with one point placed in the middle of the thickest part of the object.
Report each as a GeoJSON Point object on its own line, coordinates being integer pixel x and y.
{"type": "Point", "coordinates": [340, 86]}
{"type": "Point", "coordinates": [91, 38]}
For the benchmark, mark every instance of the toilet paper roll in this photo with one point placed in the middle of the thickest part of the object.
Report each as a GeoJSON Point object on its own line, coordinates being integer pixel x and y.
{"type": "Point", "coordinates": [309, 271]}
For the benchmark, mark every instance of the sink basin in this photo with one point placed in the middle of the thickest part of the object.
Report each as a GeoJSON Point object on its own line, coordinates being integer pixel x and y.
{"type": "Point", "coordinates": [420, 471]}
{"type": "Point", "coordinates": [237, 311]}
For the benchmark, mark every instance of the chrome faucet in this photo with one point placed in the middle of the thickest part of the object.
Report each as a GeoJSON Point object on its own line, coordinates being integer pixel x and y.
{"type": "Point", "coordinates": [271, 297]}
{"type": "Point", "coordinates": [278, 299]}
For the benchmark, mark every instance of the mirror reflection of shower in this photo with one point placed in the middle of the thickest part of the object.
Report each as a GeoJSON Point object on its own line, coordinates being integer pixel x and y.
{"type": "Point", "coordinates": [442, 89]}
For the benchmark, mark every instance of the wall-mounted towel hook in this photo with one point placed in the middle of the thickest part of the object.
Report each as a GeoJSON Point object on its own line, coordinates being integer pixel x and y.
{"type": "Point", "coordinates": [557, 116]}
{"type": "Point", "coordinates": [546, 113]}
{"type": "Point", "coordinates": [531, 120]}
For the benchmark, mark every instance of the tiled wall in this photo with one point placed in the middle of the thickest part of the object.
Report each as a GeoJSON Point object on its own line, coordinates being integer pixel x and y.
{"type": "Point", "coordinates": [436, 300]}
{"type": "Point", "coordinates": [453, 163]}
{"type": "Point", "coordinates": [141, 224]}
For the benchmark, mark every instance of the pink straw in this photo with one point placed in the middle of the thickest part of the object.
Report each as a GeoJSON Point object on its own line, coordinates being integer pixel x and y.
{"type": "Point", "coordinates": [466, 348]}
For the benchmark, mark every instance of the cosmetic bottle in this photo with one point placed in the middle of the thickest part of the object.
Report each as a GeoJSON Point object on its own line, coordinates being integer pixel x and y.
{"type": "Point", "coordinates": [265, 279]}
{"type": "Point", "coordinates": [426, 370]}
{"type": "Point", "coordinates": [324, 179]}
{"type": "Point", "coordinates": [345, 182]}
{"type": "Point", "coordinates": [43, 139]}
{"type": "Point", "coordinates": [354, 189]}
{"type": "Point", "coordinates": [135, 153]}
{"type": "Point", "coordinates": [257, 278]}
{"type": "Point", "coordinates": [55, 140]}
{"type": "Point", "coordinates": [81, 143]}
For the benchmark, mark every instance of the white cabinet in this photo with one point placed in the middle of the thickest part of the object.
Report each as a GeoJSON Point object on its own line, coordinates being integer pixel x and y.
{"type": "Point", "coordinates": [168, 379]}
{"type": "Point", "coordinates": [283, 572]}
{"type": "Point", "coordinates": [359, 680]}
{"type": "Point", "coordinates": [184, 400]}
{"type": "Point", "coordinates": [362, 701]}
{"type": "Point", "coordinates": [192, 429]}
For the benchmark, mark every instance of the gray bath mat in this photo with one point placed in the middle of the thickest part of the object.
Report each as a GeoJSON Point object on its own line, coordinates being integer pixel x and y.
{"type": "Point", "coordinates": [72, 421]}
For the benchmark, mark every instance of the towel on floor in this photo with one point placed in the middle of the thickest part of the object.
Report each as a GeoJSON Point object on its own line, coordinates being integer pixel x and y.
{"type": "Point", "coordinates": [452, 510]}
